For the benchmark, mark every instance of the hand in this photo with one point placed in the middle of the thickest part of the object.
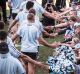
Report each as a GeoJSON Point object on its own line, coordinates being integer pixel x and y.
{"type": "Point", "coordinates": [48, 28]}
{"type": "Point", "coordinates": [41, 65]}
{"type": "Point", "coordinates": [55, 44]}
{"type": "Point", "coordinates": [53, 35]}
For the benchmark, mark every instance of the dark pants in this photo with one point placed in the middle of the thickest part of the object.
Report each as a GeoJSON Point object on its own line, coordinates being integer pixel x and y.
{"type": "Point", "coordinates": [46, 1]}
{"type": "Point", "coordinates": [60, 4]}
{"type": "Point", "coordinates": [3, 6]}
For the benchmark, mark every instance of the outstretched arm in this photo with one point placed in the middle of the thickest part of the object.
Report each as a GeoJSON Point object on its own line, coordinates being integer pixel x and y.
{"type": "Point", "coordinates": [39, 64]}
{"type": "Point", "coordinates": [13, 23]}
{"type": "Point", "coordinates": [45, 43]}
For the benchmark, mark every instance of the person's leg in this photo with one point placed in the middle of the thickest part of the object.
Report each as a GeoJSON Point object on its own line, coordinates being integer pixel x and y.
{"type": "Point", "coordinates": [3, 5]}
{"type": "Point", "coordinates": [31, 68]}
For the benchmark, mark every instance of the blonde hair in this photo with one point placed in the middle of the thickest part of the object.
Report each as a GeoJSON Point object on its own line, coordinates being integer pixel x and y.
{"type": "Point", "coordinates": [75, 40]}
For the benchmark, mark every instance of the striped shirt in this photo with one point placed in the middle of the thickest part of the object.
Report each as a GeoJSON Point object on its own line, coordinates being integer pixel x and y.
{"type": "Point", "coordinates": [13, 51]}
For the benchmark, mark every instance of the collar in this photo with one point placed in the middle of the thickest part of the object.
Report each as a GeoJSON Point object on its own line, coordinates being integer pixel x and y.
{"type": "Point", "coordinates": [4, 55]}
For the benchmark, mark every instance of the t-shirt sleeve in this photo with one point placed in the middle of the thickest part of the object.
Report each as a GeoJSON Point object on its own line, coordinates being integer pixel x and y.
{"type": "Point", "coordinates": [37, 34]}
{"type": "Point", "coordinates": [41, 28]}
{"type": "Point", "coordinates": [12, 49]}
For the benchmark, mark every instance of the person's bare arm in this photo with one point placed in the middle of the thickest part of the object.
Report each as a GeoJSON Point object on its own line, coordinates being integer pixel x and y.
{"type": "Point", "coordinates": [45, 43]}
{"type": "Point", "coordinates": [13, 23]}
{"type": "Point", "coordinates": [39, 64]}
{"type": "Point", "coordinates": [65, 12]}
{"type": "Point", "coordinates": [50, 15]}
{"type": "Point", "coordinates": [62, 25]}
{"type": "Point", "coordinates": [14, 37]}
{"type": "Point", "coordinates": [9, 3]}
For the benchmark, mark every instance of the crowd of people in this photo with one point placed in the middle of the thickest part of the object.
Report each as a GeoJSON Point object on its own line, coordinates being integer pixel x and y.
{"type": "Point", "coordinates": [30, 21]}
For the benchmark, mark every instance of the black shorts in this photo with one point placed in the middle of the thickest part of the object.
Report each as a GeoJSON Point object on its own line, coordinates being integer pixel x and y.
{"type": "Point", "coordinates": [31, 55]}
{"type": "Point", "coordinates": [14, 15]}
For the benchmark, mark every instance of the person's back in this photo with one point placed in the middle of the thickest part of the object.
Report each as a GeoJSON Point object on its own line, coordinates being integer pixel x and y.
{"type": "Point", "coordinates": [9, 64]}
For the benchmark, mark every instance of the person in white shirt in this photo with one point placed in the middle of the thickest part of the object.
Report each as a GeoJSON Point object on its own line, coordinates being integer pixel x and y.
{"type": "Point", "coordinates": [9, 64]}
{"type": "Point", "coordinates": [30, 37]}
{"type": "Point", "coordinates": [12, 50]}
{"type": "Point", "coordinates": [14, 5]}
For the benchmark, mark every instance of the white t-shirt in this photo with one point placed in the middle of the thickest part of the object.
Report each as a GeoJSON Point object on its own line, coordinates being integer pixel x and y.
{"type": "Point", "coordinates": [15, 5]}
{"type": "Point", "coordinates": [10, 65]}
{"type": "Point", "coordinates": [39, 9]}
{"type": "Point", "coordinates": [12, 49]}
{"type": "Point", "coordinates": [37, 24]}
{"type": "Point", "coordinates": [22, 15]}
{"type": "Point", "coordinates": [29, 38]}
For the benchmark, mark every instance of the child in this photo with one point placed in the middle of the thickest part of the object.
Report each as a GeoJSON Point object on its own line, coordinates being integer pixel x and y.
{"type": "Point", "coordinates": [9, 64]}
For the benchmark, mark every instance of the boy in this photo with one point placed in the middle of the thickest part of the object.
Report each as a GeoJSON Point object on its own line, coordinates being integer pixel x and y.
{"type": "Point", "coordinates": [9, 64]}
{"type": "Point", "coordinates": [30, 37]}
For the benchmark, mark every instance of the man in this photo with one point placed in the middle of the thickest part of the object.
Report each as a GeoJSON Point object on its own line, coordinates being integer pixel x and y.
{"type": "Point", "coordinates": [9, 64]}
{"type": "Point", "coordinates": [3, 6]}
{"type": "Point", "coordinates": [30, 37]}
{"type": "Point", "coordinates": [14, 5]}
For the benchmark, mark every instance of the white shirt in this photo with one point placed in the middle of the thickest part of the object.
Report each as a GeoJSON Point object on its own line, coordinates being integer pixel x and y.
{"type": "Point", "coordinates": [29, 35]}
{"type": "Point", "coordinates": [13, 51]}
{"type": "Point", "coordinates": [22, 15]}
{"type": "Point", "coordinates": [10, 65]}
{"type": "Point", "coordinates": [38, 8]}
{"type": "Point", "coordinates": [15, 5]}
{"type": "Point", "coordinates": [37, 24]}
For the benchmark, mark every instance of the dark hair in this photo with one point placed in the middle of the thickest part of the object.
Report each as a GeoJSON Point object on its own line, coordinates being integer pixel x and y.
{"type": "Point", "coordinates": [29, 5]}
{"type": "Point", "coordinates": [4, 48]}
{"type": "Point", "coordinates": [32, 11]}
{"type": "Point", "coordinates": [50, 1]}
{"type": "Point", "coordinates": [3, 35]}
{"type": "Point", "coordinates": [74, 19]}
{"type": "Point", "coordinates": [2, 25]}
